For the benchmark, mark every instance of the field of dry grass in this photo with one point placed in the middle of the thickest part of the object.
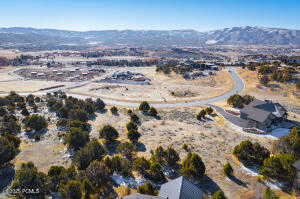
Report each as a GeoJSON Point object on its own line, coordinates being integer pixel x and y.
{"type": "Point", "coordinates": [285, 93]}
{"type": "Point", "coordinates": [213, 140]}
{"type": "Point", "coordinates": [45, 153]}
{"type": "Point", "coordinates": [161, 87]}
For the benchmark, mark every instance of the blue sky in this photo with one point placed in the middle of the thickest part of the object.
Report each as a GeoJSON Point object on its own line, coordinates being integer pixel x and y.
{"type": "Point", "coordinates": [200, 15]}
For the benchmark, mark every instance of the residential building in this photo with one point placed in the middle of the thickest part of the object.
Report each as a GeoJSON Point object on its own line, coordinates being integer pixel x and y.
{"type": "Point", "coordinates": [262, 114]}
{"type": "Point", "coordinates": [179, 188]}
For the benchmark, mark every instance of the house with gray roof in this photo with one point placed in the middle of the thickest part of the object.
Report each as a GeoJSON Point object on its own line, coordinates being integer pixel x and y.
{"type": "Point", "coordinates": [262, 114]}
{"type": "Point", "coordinates": [179, 188]}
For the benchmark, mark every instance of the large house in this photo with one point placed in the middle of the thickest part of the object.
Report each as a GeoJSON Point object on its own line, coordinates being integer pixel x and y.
{"type": "Point", "coordinates": [179, 188]}
{"type": "Point", "coordinates": [262, 114]}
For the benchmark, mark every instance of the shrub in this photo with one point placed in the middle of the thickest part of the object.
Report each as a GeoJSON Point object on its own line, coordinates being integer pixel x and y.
{"type": "Point", "coordinates": [93, 150]}
{"type": "Point", "coordinates": [171, 157]}
{"type": "Point", "coordinates": [158, 154]}
{"type": "Point", "coordinates": [114, 110]}
{"type": "Point", "coordinates": [10, 125]}
{"type": "Point", "coordinates": [35, 122]}
{"type": "Point", "coordinates": [264, 80]}
{"type": "Point", "coordinates": [16, 141]}
{"type": "Point", "coordinates": [134, 118]}
{"type": "Point", "coordinates": [76, 138]}
{"type": "Point", "coordinates": [147, 189]}
{"type": "Point", "coordinates": [153, 112]}
{"type": "Point", "coordinates": [129, 112]}
{"type": "Point", "coordinates": [78, 124]}
{"type": "Point", "coordinates": [269, 194]}
{"type": "Point", "coordinates": [8, 151]}
{"type": "Point", "coordinates": [72, 190]}
{"type": "Point", "coordinates": [155, 172]}
{"type": "Point", "coordinates": [28, 177]}
{"type": "Point", "coordinates": [118, 164]}
{"type": "Point", "coordinates": [131, 126]}
{"type": "Point", "coordinates": [126, 149]}
{"type": "Point", "coordinates": [108, 133]}
{"type": "Point", "coordinates": [62, 123]}
{"type": "Point", "coordinates": [289, 144]}
{"type": "Point", "coordinates": [227, 169]}
{"type": "Point", "coordinates": [185, 147]}
{"type": "Point", "coordinates": [144, 106]}
{"type": "Point", "coordinates": [25, 112]}
{"type": "Point", "coordinates": [193, 167]}
{"type": "Point", "coordinates": [78, 114]}
{"type": "Point", "coordinates": [201, 115]}
{"type": "Point", "coordinates": [3, 111]}
{"type": "Point", "coordinates": [218, 195]}
{"type": "Point", "coordinates": [239, 101]}
{"type": "Point", "coordinates": [251, 154]}
{"type": "Point", "coordinates": [98, 174]}
{"type": "Point", "coordinates": [141, 165]}
{"type": "Point", "coordinates": [279, 167]}
{"type": "Point", "coordinates": [236, 101]}
{"type": "Point", "coordinates": [133, 135]}
{"type": "Point", "coordinates": [99, 104]}
{"type": "Point", "coordinates": [209, 110]}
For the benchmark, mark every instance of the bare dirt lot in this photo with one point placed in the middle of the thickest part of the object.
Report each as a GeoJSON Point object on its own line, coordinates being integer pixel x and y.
{"type": "Point", "coordinates": [172, 88]}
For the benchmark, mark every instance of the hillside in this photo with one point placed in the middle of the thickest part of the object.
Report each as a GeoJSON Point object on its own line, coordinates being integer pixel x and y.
{"type": "Point", "coordinates": [24, 38]}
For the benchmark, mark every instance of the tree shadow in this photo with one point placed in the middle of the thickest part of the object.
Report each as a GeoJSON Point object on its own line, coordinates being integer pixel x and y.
{"type": "Point", "coordinates": [140, 147]}
{"type": "Point", "coordinates": [115, 114]}
{"type": "Point", "coordinates": [157, 117]}
{"type": "Point", "coordinates": [101, 111]}
{"type": "Point", "coordinates": [7, 174]}
{"type": "Point", "coordinates": [205, 119]}
{"type": "Point", "coordinates": [238, 181]}
{"type": "Point", "coordinates": [213, 115]}
{"type": "Point", "coordinates": [36, 135]}
{"type": "Point", "coordinates": [111, 147]}
{"type": "Point", "coordinates": [208, 185]}
{"type": "Point", "coordinates": [92, 117]}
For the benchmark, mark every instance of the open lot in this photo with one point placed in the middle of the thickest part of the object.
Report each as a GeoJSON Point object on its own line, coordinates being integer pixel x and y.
{"type": "Point", "coordinates": [283, 93]}
{"type": "Point", "coordinates": [172, 88]}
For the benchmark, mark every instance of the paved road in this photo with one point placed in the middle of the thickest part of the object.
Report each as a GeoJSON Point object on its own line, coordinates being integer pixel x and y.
{"type": "Point", "coordinates": [238, 87]}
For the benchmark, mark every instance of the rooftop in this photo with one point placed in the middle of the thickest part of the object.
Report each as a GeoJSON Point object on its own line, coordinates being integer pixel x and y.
{"type": "Point", "coordinates": [297, 165]}
{"type": "Point", "coordinates": [260, 110]}
{"type": "Point", "coordinates": [180, 188]}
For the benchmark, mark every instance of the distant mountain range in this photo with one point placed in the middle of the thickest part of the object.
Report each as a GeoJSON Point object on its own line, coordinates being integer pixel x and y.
{"type": "Point", "coordinates": [50, 38]}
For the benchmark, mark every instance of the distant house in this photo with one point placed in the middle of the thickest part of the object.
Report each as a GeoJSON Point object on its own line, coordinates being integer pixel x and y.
{"type": "Point", "coordinates": [262, 114]}
{"type": "Point", "coordinates": [179, 188]}
{"type": "Point", "coordinates": [297, 180]}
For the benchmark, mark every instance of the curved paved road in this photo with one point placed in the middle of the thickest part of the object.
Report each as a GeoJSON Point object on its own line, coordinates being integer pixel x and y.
{"type": "Point", "coordinates": [238, 87]}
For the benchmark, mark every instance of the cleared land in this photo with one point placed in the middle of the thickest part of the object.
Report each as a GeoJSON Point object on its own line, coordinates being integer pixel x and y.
{"type": "Point", "coordinates": [11, 82]}
{"type": "Point", "coordinates": [171, 88]}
